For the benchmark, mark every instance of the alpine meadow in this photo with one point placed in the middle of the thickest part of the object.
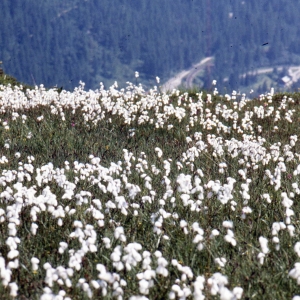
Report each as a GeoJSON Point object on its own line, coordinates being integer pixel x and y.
{"type": "Point", "coordinates": [127, 194]}
{"type": "Point", "coordinates": [149, 150]}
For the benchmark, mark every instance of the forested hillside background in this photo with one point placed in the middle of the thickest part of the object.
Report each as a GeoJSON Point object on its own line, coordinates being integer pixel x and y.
{"type": "Point", "coordinates": [58, 42]}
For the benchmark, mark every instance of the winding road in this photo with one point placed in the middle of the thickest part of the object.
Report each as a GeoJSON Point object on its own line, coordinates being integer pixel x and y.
{"type": "Point", "coordinates": [189, 74]}
{"type": "Point", "coordinates": [187, 77]}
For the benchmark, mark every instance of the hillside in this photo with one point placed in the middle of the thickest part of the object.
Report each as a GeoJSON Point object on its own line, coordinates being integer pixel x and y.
{"type": "Point", "coordinates": [60, 43]}
{"type": "Point", "coordinates": [127, 194]}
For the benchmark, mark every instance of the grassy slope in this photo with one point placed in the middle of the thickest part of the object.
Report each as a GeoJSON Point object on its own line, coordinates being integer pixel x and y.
{"type": "Point", "coordinates": [74, 140]}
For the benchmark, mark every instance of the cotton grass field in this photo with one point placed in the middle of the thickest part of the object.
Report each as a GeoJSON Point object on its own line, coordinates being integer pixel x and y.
{"type": "Point", "coordinates": [127, 194]}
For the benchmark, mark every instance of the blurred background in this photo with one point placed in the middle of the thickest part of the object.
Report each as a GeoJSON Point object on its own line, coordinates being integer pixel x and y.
{"type": "Point", "coordinates": [244, 45]}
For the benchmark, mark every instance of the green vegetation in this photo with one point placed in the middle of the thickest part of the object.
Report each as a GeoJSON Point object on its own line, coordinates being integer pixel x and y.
{"type": "Point", "coordinates": [12, 81]}
{"type": "Point", "coordinates": [213, 160]}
